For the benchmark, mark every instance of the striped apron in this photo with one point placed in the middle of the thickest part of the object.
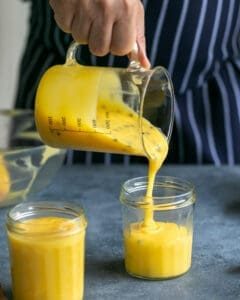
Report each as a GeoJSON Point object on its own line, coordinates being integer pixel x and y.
{"type": "Point", "coordinates": [198, 41]}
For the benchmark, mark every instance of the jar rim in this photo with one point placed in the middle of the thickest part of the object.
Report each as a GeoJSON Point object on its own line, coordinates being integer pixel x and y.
{"type": "Point", "coordinates": [16, 216]}
{"type": "Point", "coordinates": [167, 202]}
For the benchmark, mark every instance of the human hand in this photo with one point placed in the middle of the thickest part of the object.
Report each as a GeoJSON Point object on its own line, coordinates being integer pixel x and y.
{"type": "Point", "coordinates": [107, 26]}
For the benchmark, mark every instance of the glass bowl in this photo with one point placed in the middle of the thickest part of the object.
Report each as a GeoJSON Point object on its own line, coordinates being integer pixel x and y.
{"type": "Point", "coordinates": [27, 165]}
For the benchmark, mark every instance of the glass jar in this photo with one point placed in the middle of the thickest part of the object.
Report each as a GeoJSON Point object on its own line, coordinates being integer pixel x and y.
{"type": "Point", "coordinates": [164, 249]}
{"type": "Point", "coordinates": [46, 244]}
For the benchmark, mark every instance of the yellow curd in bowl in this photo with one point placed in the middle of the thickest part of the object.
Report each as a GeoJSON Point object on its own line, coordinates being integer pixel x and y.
{"type": "Point", "coordinates": [46, 264]}
{"type": "Point", "coordinates": [5, 182]}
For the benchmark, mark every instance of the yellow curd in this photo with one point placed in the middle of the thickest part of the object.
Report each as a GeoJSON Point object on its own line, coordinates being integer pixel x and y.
{"type": "Point", "coordinates": [78, 107]}
{"type": "Point", "coordinates": [47, 259]}
{"type": "Point", "coordinates": [161, 253]}
{"type": "Point", "coordinates": [81, 108]}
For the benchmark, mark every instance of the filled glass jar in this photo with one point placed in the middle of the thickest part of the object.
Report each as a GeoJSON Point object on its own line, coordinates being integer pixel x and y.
{"type": "Point", "coordinates": [47, 246]}
{"type": "Point", "coordinates": [164, 249]}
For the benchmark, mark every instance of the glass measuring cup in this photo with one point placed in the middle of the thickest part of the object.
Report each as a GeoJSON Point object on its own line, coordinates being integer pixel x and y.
{"type": "Point", "coordinates": [104, 109]}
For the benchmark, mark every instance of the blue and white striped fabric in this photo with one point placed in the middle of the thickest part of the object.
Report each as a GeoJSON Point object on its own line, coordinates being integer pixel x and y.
{"type": "Point", "coordinates": [197, 41]}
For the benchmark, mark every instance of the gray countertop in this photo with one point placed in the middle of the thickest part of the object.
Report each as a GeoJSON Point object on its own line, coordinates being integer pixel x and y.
{"type": "Point", "coordinates": [215, 272]}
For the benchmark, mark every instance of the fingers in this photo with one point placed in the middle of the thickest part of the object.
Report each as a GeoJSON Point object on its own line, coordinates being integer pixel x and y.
{"type": "Point", "coordinates": [63, 13]}
{"type": "Point", "coordinates": [124, 29]}
{"type": "Point", "coordinates": [81, 26]}
{"type": "Point", "coordinates": [123, 37]}
{"type": "Point", "coordinates": [107, 26]}
{"type": "Point", "coordinates": [65, 23]}
{"type": "Point", "coordinates": [141, 40]}
{"type": "Point", "coordinates": [129, 31]}
{"type": "Point", "coordinates": [100, 37]}
{"type": "Point", "coordinates": [142, 57]}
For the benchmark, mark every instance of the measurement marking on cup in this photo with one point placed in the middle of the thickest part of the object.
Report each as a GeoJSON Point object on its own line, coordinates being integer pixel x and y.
{"type": "Point", "coordinates": [50, 121]}
{"type": "Point", "coordinates": [79, 131]}
{"type": "Point", "coordinates": [94, 123]}
{"type": "Point", "coordinates": [79, 123]}
{"type": "Point", "coordinates": [64, 122]}
{"type": "Point", "coordinates": [107, 121]}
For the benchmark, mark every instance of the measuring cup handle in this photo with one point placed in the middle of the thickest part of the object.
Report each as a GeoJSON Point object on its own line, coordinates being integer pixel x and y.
{"type": "Point", "coordinates": [134, 63]}
{"type": "Point", "coordinates": [133, 55]}
{"type": "Point", "coordinates": [71, 53]}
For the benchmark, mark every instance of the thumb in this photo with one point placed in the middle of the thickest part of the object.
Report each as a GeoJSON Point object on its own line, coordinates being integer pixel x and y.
{"type": "Point", "coordinates": [141, 40]}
